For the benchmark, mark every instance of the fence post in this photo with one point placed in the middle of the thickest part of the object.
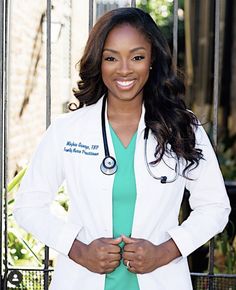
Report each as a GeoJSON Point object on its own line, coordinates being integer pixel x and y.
{"type": "Point", "coordinates": [175, 33]}
{"type": "Point", "coordinates": [1, 137]}
{"type": "Point", "coordinates": [91, 9]}
{"type": "Point", "coordinates": [48, 118]}
{"type": "Point", "coordinates": [216, 72]}
{"type": "Point", "coordinates": [3, 142]}
{"type": "Point", "coordinates": [215, 120]}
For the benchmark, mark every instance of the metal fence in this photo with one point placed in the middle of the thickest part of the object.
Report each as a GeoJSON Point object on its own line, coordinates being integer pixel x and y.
{"type": "Point", "coordinates": [39, 278]}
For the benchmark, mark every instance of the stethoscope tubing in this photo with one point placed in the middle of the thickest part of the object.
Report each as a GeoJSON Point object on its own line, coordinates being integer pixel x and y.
{"type": "Point", "coordinates": [163, 179]}
{"type": "Point", "coordinates": [109, 164]}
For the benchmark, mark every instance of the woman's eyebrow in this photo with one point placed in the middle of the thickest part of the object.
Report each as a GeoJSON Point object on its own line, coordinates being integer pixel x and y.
{"type": "Point", "coordinates": [132, 50]}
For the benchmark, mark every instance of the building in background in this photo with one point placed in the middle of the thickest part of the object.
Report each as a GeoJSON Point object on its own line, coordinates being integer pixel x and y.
{"type": "Point", "coordinates": [70, 27]}
{"type": "Point", "coordinates": [27, 73]}
{"type": "Point", "coordinates": [27, 67]}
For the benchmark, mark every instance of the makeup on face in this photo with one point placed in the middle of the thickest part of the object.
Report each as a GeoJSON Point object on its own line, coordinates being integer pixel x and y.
{"type": "Point", "coordinates": [126, 62]}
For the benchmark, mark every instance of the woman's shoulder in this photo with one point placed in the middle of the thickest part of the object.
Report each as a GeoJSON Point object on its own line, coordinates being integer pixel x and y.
{"type": "Point", "coordinates": [203, 138]}
{"type": "Point", "coordinates": [199, 130]}
{"type": "Point", "coordinates": [81, 116]}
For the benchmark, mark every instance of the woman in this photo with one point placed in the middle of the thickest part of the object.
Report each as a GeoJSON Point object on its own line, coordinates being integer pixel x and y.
{"type": "Point", "coordinates": [127, 155]}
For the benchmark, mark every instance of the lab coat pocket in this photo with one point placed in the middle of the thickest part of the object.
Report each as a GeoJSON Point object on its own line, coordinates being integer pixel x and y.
{"type": "Point", "coordinates": [69, 275]}
{"type": "Point", "coordinates": [175, 275]}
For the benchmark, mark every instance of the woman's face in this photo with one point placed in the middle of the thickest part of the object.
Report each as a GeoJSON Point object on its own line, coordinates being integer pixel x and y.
{"type": "Point", "coordinates": [126, 62]}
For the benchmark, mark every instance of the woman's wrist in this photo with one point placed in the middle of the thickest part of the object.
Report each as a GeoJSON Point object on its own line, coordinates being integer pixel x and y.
{"type": "Point", "coordinates": [167, 252]}
{"type": "Point", "coordinates": [172, 250]}
{"type": "Point", "coordinates": [77, 252]}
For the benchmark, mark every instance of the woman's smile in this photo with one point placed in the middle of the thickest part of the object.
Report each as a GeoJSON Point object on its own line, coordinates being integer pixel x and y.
{"type": "Point", "coordinates": [125, 85]}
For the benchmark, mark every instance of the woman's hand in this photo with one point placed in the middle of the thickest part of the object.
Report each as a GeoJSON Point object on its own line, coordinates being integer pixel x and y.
{"type": "Point", "coordinates": [100, 256]}
{"type": "Point", "coordinates": [143, 257]}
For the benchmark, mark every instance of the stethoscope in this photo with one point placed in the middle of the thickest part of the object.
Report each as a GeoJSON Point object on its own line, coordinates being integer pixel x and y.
{"type": "Point", "coordinates": [109, 164]}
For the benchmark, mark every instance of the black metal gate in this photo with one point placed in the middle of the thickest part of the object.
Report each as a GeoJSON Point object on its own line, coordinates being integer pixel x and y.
{"type": "Point", "coordinates": [39, 278]}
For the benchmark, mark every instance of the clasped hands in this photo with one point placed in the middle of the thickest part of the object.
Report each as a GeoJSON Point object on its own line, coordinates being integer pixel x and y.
{"type": "Point", "coordinates": [104, 255]}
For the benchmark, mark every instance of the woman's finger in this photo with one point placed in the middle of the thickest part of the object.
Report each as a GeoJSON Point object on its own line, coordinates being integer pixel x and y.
{"type": "Point", "coordinates": [129, 266]}
{"type": "Point", "coordinates": [113, 248]}
{"type": "Point", "coordinates": [132, 269]}
{"type": "Point", "coordinates": [129, 256]}
{"type": "Point", "coordinates": [129, 248]}
{"type": "Point", "coordinates": [113, 264]}
{"type": "Point", "coordinates": [114, 257]}
{"type": "Point", "coordinates": [127, 263]}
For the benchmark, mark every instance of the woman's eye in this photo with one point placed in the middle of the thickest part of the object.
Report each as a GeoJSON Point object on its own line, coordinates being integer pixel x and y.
{"type": "Point", "coordinates": [110, 58]}
{"type": "Point", "coordinates": [138, 57]}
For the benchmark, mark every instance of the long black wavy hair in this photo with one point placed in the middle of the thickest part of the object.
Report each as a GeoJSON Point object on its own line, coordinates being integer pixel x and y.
{"type": "Point", "coordinates": [165, 111]}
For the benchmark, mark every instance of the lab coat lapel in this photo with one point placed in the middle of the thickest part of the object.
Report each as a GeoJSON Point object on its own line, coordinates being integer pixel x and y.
{"type": "Point", "coordinates": [149, 190]}
{"type": "Point", "coordinates": [107, 181]}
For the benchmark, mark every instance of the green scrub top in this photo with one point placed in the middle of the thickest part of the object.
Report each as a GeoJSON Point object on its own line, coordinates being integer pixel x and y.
{"type": "Point", "coordinates": [123, 205]}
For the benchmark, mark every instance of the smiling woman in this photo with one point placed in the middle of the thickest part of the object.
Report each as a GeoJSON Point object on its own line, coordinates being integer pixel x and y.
{"type": "Point", "coordinates": [126, 63]}
{"type": "Point", "coordinates": [122, 231]}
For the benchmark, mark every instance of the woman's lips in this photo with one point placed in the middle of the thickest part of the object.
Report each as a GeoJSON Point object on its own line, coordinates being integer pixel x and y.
{"type": "Point", "coordinates": [125, 85]}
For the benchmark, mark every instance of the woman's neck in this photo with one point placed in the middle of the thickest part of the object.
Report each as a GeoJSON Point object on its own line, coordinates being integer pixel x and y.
{"type": "Point", "coordinates": [124, 117]}
{"type": "Point", "coordinates": [122, 111]}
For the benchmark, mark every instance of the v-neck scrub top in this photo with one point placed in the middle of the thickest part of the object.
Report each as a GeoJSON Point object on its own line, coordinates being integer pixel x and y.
{"type": "Point", "coordinates": [123, 205]}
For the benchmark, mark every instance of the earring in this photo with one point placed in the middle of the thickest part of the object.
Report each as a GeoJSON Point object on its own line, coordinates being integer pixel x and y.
{"type": "Point", "coordinates": [150, 67]}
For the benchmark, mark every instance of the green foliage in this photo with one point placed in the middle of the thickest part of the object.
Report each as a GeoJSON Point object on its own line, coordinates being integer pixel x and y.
{"type": "Point", "coordinates": [23, 248]}
{"type": "Point", "coordinates": [162, 12]}
{"type": "Point", "coordinates": [225, 252]}
{"type": "Point", "coordinates": [227, 157]}
{"type": "Point", "coordinates": [21, 245]}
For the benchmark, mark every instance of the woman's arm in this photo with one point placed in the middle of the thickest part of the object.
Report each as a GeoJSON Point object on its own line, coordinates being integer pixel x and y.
{"type": "Point", "coordinates": [208, 200]}
{"type": "Point", "coordinates": [210, 210]}
{"type": "Point", "coordinates": [32, 208]}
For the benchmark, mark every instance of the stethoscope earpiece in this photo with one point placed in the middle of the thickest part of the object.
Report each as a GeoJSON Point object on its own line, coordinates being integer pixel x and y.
{"type": "Point", "coordinates": [163, 179]}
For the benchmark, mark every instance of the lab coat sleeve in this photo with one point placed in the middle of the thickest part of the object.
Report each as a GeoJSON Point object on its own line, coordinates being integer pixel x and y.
{"type": "Point", "coordinates": [208, 200]}
{"type": "Point", "coordinates": [32, 208]}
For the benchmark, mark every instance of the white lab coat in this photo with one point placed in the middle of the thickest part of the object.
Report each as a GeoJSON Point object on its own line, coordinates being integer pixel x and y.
{"type": "Point", "coordinates": [72, 150]}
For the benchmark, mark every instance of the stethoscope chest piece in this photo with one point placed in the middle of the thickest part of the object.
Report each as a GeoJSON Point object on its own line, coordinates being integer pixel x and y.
{"type": "Point", "coordinates": [108, 165]}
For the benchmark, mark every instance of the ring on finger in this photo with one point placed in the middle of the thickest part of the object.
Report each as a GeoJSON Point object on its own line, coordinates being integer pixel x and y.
{"type": "Point", "coordinates": [128, 264]}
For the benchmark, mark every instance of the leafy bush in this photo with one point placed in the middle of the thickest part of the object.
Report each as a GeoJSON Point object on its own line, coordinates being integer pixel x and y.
{"type": "Point", "coordinates": [23, 248]}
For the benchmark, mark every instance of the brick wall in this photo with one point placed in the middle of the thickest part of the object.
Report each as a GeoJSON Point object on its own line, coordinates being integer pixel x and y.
{"type": "Point", "coordinates": [27, 77]}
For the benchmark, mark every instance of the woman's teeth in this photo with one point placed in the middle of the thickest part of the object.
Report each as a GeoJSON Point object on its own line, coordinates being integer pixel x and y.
{"type": "Point", "coordinates": [125, 83]}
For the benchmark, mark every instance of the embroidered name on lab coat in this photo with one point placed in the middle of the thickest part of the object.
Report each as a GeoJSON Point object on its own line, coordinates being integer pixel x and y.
{"type": "Point", "coordinates": [80, 148]}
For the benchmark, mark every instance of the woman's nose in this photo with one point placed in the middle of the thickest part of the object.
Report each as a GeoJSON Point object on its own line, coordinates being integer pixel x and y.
{"type": "Point", "coordinates": [124, 68]}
